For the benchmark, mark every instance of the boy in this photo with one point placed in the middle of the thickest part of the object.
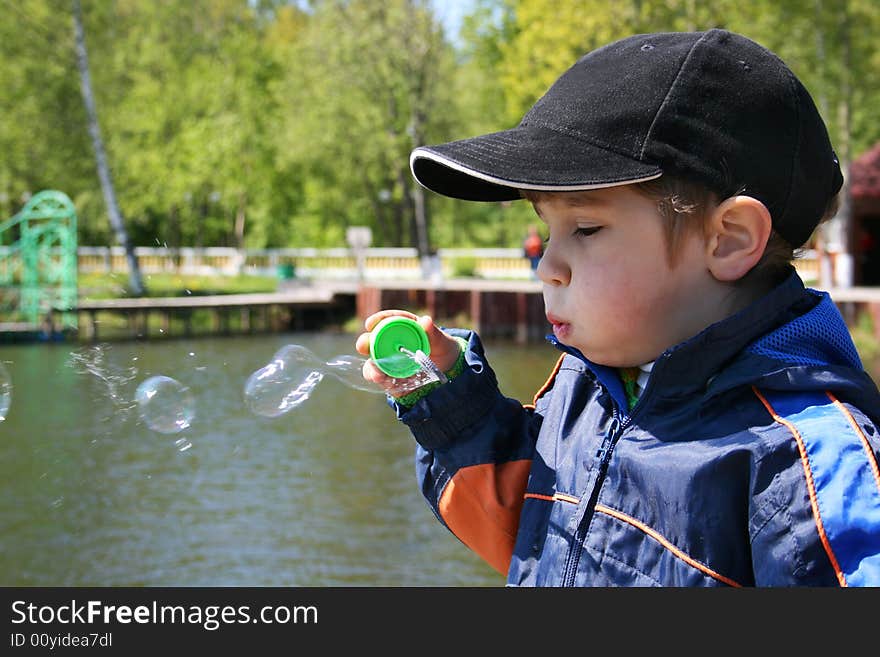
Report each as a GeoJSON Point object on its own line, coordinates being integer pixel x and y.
{"type": "Point", "coordinates": [709, 422]}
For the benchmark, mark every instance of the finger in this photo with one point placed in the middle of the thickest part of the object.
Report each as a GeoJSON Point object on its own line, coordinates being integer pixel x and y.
{"type": "Point", "coordinates": [375, 318]}
{"type": "Point", "coordinates": [436, 336]}
{"type": "Point", "coordinates": [444, 349]}
{"type": "Point", "coordinates": [428, 324]}
{"type": "Point", "coordinates": [373, 374]}
{"type": "Point", "coordinates": [362, 344]}
{"type": "Point", "coordinates": [394, 387]}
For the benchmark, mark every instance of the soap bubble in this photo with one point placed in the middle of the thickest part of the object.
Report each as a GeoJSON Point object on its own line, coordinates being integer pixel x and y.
{"type": "Point", "coordinates": [284, 383]}
{"type": "Point", "coordinates": [294, 372]}
{"type": "Point", "coordinates": [349, 370]}
{"type": "Point", "coordinates": [5, 392]}
{"type": "Point", "coordinates": [165, 404]}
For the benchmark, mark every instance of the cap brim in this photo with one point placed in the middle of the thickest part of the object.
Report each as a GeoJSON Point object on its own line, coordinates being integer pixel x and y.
{"type": "Point", "coordinates": [494, 167]}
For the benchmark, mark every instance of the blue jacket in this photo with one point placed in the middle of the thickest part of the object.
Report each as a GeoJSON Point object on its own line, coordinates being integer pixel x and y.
{"type": "Point", "coordinates": [751, 459]}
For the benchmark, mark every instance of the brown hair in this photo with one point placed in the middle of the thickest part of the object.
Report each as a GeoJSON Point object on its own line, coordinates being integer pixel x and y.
{"type": "Point", "coordinates": [685, 203]}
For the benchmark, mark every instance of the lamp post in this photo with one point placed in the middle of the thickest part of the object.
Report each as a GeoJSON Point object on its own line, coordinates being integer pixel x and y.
{"type": "Point", "coordinates": [359, 239]}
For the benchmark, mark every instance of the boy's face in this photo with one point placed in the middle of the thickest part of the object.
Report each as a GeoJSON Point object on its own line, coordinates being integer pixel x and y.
{"type": "Point", "coordinates": [609, 287]}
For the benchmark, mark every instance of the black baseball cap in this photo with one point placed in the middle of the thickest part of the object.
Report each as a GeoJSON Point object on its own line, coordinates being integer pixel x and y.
{"type": "Point", "coordinates": [714, 107]}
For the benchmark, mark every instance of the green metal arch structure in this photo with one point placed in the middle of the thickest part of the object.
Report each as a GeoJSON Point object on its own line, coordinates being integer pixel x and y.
{"type": "Point", "coordinates": [38, 270]}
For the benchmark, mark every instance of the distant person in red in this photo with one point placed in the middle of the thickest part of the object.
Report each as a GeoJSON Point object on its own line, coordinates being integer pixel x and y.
{"type": "Point", "coordinates": [533, 248]}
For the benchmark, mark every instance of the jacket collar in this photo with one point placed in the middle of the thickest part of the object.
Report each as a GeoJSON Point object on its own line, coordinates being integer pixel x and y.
{"type": "Point", "coordinates": [692, 363]}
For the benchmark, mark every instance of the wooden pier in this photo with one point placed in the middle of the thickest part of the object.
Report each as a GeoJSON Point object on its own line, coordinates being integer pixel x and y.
{"type": "Point", "coordinates": [511, 309]}
{"type": "Point", "coordinates": [507, 309]}
{"type": "Point", "coordinates": [294, 309]}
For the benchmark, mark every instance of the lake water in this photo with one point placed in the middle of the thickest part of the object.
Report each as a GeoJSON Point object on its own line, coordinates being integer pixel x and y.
{"type": "Point", "coordinates": [324, 495]}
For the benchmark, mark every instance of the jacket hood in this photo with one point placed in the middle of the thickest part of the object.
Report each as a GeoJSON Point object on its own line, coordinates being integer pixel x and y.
{"type": "Point", "coordinates": [811, 351]}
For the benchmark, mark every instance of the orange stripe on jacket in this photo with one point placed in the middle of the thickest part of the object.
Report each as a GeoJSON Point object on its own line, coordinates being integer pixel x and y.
{"type": "Point", "coordinates": [811, 487]}
{"type": "Point", "coordinates": [481, 506]}
{"type": "Point", "coordinates": [869, 452]}
{"type": "Point", "coordinates": [703, 568]}
{"type": "Point", "coordinates": [547, 384]}
{"type": "Point", "coordinates": [555, 497]}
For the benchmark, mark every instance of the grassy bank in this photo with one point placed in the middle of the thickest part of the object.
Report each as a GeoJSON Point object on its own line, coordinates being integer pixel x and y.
{"type": "Point", "coordinates": [112, 286]}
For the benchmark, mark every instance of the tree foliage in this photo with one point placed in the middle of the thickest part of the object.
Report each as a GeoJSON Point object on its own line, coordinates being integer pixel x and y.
{"type": "Point", "coordinates": [281, 123]}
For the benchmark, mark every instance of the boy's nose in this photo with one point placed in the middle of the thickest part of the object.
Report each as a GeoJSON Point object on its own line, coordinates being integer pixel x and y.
{"type": "Point", "coordinates": [552, 270]}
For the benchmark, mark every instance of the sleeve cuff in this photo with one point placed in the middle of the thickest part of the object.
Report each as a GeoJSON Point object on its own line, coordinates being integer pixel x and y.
{"type": "Point", "coordinates": [410, 399]}
{"type": "Point", "coordinates": [448, 413]}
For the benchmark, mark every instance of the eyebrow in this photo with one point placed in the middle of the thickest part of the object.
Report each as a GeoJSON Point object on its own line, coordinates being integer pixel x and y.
{"type": "Point", "coordinates": [574, 200]}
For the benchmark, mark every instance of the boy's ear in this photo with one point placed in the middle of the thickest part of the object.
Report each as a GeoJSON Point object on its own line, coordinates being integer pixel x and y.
{"type": "Point", "coordinates": [739, 228]}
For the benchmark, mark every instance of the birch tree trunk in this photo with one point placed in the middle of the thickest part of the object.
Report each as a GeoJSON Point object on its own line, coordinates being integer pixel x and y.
{"type": "Point", "coordinates": [82, 59]}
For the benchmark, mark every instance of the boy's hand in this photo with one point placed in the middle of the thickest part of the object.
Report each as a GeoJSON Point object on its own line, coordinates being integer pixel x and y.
{"type": "Point", "coordinates": [444, 351]}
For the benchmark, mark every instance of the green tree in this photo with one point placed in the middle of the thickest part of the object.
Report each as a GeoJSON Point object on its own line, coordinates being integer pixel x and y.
{"type": "Point", "coordinates": [370, 82]}
{"type": "Point", "coordinates": [194, 122]}
{"type": "Point", "coordinates": [479, 108]}
{"type": "Point", "coordinates": [43, 132]}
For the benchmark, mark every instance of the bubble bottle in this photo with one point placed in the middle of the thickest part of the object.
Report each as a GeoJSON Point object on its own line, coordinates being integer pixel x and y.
{"type": "Point", "coordinates": [398, 346]}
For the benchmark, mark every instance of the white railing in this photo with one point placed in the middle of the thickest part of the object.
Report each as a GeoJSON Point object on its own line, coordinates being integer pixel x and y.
{"type": "Point", "coordinates": [332, 263]}
{"type": "Point", "coordinates": [335, 263]}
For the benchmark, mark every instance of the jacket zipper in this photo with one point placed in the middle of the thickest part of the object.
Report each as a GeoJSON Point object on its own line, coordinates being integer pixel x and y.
{"type": "Point", "coordinates": [604, 453]}
{"type": "Point", "coordinates": [615, 428]}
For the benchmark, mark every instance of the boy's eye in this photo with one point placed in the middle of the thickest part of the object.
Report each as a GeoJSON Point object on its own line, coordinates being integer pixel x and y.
{"type": "Point", "coordinates": [586, 231]}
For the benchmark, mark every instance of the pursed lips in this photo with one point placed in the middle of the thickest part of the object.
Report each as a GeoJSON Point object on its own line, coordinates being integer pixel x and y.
{"type": "Point", "coordinates": [560, 326]}
{"type": "Point", "coordinates": [553, 319]}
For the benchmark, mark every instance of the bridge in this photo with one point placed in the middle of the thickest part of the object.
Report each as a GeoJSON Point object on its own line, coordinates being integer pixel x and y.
{"type": "Point", "coordinates": [38, 267]}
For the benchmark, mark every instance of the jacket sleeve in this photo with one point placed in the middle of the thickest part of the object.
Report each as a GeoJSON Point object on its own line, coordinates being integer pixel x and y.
{"type": "Point", "coordinates": [819, 521]}
{"type": "Point", "coordinates": [473, 455]}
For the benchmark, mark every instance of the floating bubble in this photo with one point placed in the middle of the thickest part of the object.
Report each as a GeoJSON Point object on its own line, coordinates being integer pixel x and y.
{"type": "Point", "coordinates": [165, 404]}
{"type": "Point", "coordinates": [294, 372]}
{"type": "Point", "coordinates": [349, 370]}
{"type": "Point", "coordinates": [284, 383]}
{"type": "Point", "coordinates": [5, 392]}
